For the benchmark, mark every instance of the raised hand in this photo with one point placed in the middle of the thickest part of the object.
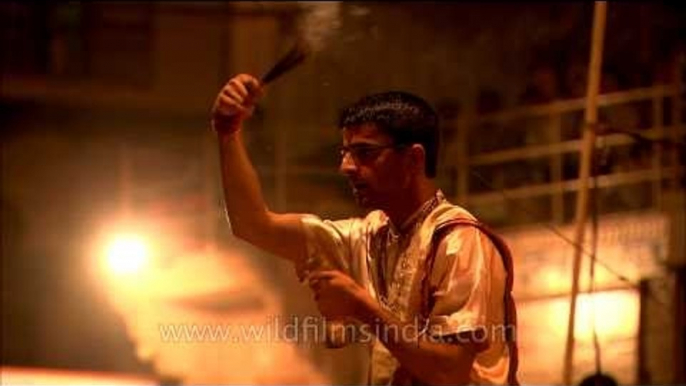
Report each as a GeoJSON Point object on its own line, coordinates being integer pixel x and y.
{"type": "Point", "coordinates": [235, 102]}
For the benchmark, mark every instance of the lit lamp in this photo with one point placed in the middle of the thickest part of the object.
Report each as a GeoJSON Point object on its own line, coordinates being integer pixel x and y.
{"type": "Point", "coordinates": [127, 254]}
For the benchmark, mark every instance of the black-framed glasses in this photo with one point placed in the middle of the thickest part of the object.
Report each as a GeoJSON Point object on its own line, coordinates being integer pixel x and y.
{"type": "Point", "coordinates": [362, 152]}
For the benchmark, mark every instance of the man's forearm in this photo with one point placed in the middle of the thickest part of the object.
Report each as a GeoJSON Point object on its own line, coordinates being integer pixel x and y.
{"type": "Point", "coordinates": [251, 220]}
{"type": "Point", "coordinates": [427, 360]}
{"type": "Point", "coordinates": [245, 205]}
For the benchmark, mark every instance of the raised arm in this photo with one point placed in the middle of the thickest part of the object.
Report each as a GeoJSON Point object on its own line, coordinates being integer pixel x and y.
{"type": "Point", "coordinates": [250, 218]}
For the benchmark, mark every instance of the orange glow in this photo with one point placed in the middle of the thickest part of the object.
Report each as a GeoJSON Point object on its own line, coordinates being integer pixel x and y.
{"type": "Point", "coordinates": [127, 254]}
{"type": "Point", "coordinates": [614, 314]}
{"type": "Point", "coordinates": [45, 376]}
{"type": "Point", "coordinates": [542, 331]}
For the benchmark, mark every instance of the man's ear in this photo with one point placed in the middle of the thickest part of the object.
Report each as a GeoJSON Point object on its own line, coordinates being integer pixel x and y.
{"type": "Point", "coordinates": [417, 157]}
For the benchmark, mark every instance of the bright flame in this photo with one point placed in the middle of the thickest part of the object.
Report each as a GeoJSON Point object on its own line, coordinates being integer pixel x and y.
{"type": "Point", "coordinates": [127, 254]}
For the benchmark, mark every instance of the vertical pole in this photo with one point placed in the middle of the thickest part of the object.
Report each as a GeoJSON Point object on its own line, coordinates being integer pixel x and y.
{"type": "Point", "coordinates": [556, 169]}
{"type": "Point", "coordinates": [658, 124]}
{"type": "Point", "coordinates": [678, 222]}
{"type": "Point", "coordinates": [677, 123]}
{"type": "Point", "coordinates": [588, 145]}
{"type": "Point", "coordinates": [679, 297]}
{"type": "Point", "coordinates": [642, 373]}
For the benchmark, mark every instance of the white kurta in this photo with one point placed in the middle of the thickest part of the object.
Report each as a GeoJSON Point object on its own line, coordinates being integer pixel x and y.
{"type": "Point", "coordinates": [467, 282]}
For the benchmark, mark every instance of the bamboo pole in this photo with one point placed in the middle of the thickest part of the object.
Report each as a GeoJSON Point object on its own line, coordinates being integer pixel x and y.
{"type": "Point", "coordinates": [588, 142]}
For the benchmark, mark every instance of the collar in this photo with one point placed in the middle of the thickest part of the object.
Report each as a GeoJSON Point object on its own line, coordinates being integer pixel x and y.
{"type": "Point", "coordinates": [418, 215]}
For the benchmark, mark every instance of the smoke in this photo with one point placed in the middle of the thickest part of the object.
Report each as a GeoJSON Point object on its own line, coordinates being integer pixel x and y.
{"type": "Point", "coordinates": [320, 21]}
{"type": "Point", "coordinates": [205, 319]}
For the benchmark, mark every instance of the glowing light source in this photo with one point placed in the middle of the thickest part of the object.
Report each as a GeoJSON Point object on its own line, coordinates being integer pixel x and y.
{"type": "Point", "coordinates": [613, 313]}
{"type": "Point", "coordinates": [127, 254]}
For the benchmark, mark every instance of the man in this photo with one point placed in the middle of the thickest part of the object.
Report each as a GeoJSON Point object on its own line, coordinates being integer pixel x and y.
{"type": "Point", "coordinates": [417, 271]}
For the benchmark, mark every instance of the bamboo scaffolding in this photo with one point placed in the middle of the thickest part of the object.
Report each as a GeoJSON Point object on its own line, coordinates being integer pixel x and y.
{"type": "Point", "coordinates": [588, 142]}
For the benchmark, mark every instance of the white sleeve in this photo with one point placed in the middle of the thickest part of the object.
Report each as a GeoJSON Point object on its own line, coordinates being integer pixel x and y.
{"type": "Point", "coordinates": [468, 281]}
{"type": "Point", "coordinates": [328, 245]}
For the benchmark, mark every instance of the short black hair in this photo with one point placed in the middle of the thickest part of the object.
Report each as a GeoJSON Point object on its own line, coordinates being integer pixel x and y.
{"type": "Point", "coordinates": [405, 117]}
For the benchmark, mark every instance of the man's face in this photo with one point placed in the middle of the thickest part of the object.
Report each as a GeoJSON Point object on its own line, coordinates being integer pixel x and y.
{"type": "Point", "coordinates": [377, 170]}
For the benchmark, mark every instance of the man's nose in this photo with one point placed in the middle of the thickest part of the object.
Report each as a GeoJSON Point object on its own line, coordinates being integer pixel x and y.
{"type": "Point", "coordinates": [348, 165]}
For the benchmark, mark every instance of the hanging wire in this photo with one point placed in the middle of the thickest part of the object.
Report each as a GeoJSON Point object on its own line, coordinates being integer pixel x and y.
{"type": "Point", "coordinates": [596, 162]}
{"type": "Point", "coordinates": [522, 208]}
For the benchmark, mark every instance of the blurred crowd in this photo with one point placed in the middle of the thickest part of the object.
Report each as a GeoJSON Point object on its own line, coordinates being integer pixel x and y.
{"type": "Point", "coordinates": [563, 78]}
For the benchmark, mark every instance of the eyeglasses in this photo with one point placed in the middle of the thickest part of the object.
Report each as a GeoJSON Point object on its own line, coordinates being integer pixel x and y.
{"type": "Point", "coordinates": [362, 152]}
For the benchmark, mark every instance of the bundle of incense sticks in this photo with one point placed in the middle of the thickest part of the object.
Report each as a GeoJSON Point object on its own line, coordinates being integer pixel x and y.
{"type": "Point", "coordinates": [295, 56]}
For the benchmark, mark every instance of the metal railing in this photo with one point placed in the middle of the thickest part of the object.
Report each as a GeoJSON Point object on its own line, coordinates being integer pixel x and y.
{"type": "Point", "coordinates": [557, 149]}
